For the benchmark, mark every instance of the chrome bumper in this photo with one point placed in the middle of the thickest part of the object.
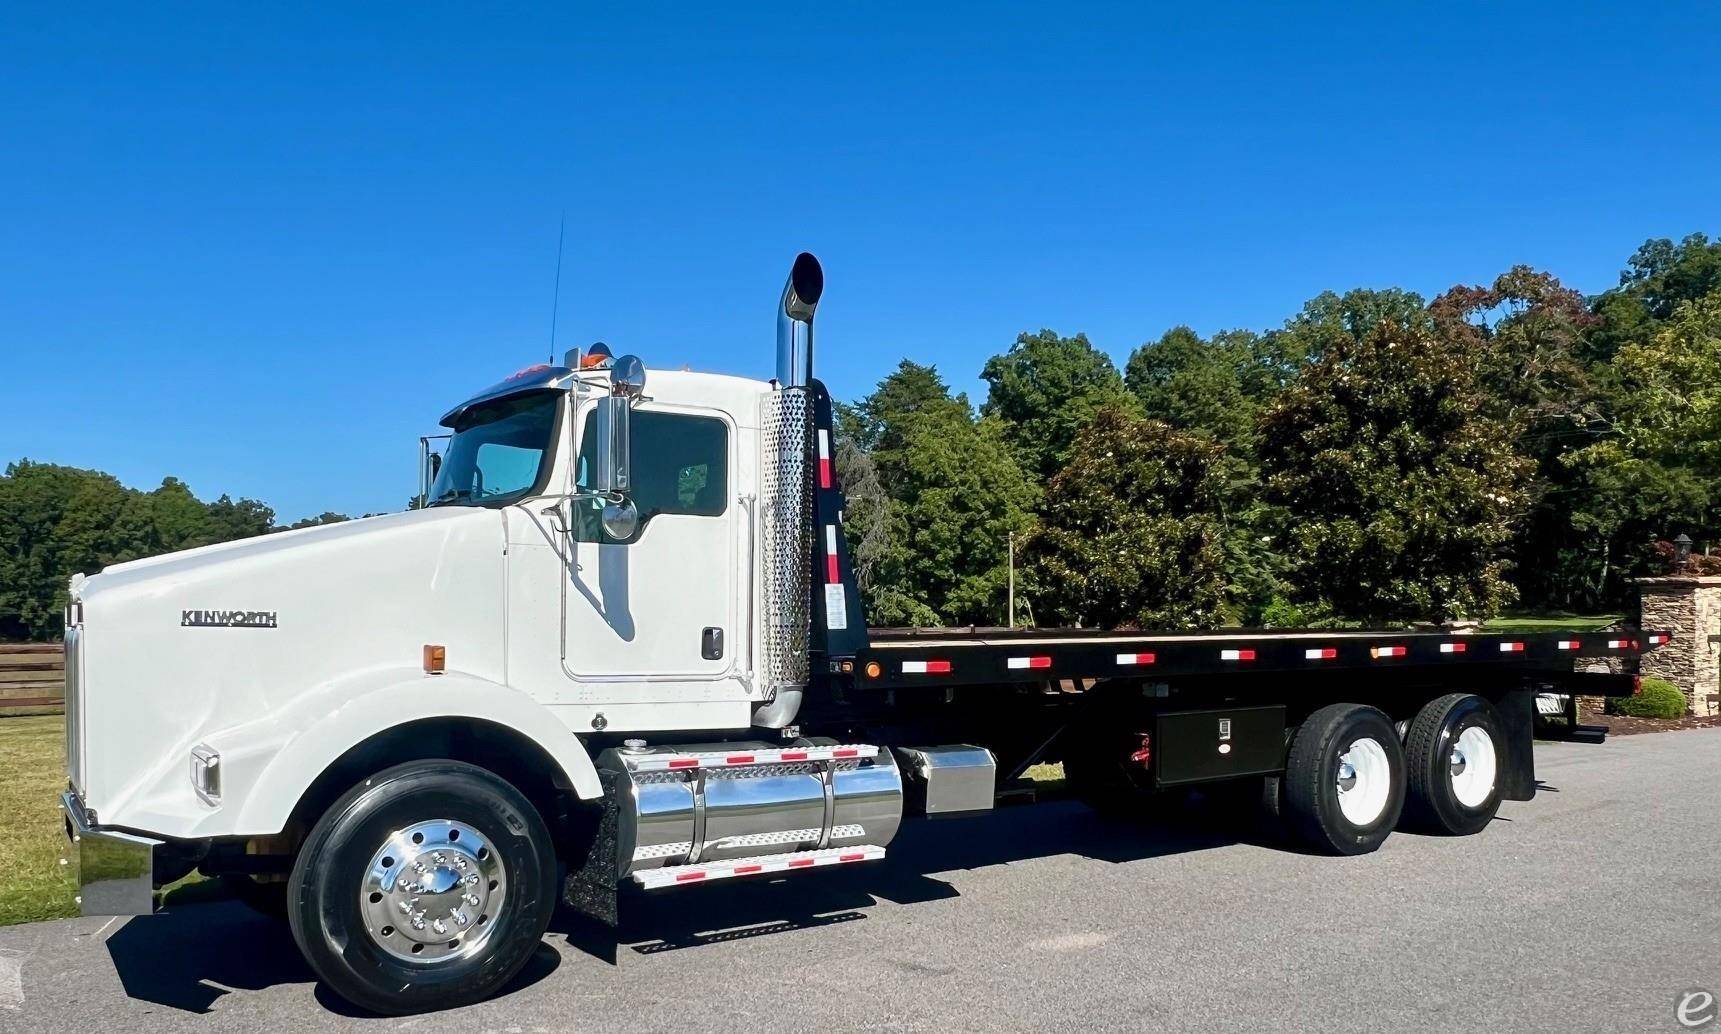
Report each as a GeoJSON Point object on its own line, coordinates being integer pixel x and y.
{"type": "Point", "coordinates": [115, 871]}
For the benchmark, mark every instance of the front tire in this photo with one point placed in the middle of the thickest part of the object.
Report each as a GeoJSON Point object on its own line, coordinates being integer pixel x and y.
{"type": "Point", "coordinates": [1454, 751]}
{"type": "Point", "coordinates": [426, 886]}
{"type": "Point", "coordinates": [1344, 780]}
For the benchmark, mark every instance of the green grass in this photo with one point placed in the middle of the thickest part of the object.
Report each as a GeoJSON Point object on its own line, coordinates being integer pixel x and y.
{"type": "Point", "coordinates": [1551, 622]}
{"type": "Point", "coordinates": [33, 884]}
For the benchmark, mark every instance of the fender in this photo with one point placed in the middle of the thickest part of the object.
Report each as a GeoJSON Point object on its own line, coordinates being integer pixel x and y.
{"type": "Point", "coordinates": [388, 700]}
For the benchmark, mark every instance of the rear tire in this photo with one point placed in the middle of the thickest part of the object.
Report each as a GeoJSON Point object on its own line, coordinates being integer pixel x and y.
{"type": "Point", "coordinates": [1344, 780]}
{"type": "Point", "coordinates": [426, 886]}
{"type": "Point", "coordinates": [1454, 752]}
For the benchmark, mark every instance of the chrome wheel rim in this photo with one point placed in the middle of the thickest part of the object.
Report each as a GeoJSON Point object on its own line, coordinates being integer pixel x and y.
{"type": "Point", "coordinates": [1473, 766]}
{"type": "Point", "coordinates": [433, 892]}
{"type": "Point", "coordinates": [1364, 781]}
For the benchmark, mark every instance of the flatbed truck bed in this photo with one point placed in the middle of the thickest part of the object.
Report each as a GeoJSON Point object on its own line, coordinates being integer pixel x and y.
{"type": "Point", "coordinates": [909, 657]}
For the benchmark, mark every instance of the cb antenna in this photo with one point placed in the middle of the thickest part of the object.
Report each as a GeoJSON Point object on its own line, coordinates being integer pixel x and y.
{"type": "Point", "coordinates": [556, 302]}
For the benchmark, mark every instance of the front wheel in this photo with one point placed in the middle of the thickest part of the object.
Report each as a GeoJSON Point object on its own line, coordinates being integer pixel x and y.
{"type": "Point", "coordinates": [425, 887]}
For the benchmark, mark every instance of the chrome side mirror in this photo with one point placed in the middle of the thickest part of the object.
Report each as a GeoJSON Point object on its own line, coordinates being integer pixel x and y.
{"type": "Point", "coordinates": [614, 453]}
{"type": "Point", "coordinates": [620, 519]}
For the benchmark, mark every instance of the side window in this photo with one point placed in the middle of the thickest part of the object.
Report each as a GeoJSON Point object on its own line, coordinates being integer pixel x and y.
{"type": "Point", "coordinates": [680, 466]}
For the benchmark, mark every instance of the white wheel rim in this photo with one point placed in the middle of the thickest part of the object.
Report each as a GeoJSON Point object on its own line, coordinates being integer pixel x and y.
{"type": "Point", "coordinates": [1364, 781]}
{"type": "Point", "coordinates": [1473, 765]}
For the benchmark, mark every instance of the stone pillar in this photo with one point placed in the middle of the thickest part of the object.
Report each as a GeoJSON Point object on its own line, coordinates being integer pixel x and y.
{"type": "Point", "coordinates": [1689, 606]}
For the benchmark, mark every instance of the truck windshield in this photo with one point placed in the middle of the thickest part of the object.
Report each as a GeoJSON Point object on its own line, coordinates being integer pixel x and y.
{"type": "Point", "coordinates": [498, 451]}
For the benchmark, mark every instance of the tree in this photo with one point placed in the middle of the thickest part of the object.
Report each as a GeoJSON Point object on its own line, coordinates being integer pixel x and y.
{"type": "Point", "coordinates": [931, 504]}
{"type": "Point", "coordinates": [1659, 277]}
{"type": "Point", "coordinates": [1398, 491]}
{"type": "Point", "coordinates": [1196, 385]}
{"type": "Point", "coordinates": [1045, 389]}
{"type": "Point", "coordinates": [57, 521]}
{"type": "Point", "coordinates": [1132, 534]}
{"type": "Point", "coordinates": [1330, 321]}
{"type": "Point", "coordinates": [1659, 473]}
{"type": "Point", "coordinates": [1530, 337]}
{"type": "Point", "coordinates": [326, 517]}
{"type": "Point", "coordinates": [238, 519]}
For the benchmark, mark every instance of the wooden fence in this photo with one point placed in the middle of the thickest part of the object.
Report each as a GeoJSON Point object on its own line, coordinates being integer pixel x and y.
{"type": "Point", "coordinates": [32, 679]}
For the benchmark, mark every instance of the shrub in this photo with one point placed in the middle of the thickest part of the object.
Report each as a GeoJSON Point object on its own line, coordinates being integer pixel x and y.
{"type": "Point", "coordinates": [1659, 699]}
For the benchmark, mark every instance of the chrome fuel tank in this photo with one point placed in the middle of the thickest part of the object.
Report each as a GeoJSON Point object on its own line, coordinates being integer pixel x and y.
{"type": "Point", "coordinates": [683, 804]}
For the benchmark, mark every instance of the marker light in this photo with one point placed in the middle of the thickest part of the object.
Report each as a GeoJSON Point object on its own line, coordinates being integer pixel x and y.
{"type": "Point", "coordinates": [435, 658]}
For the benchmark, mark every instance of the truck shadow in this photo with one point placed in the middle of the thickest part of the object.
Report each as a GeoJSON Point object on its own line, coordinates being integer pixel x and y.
{"type": "Point", "coordinates": [690, 917]}
{"type": "Point", "coordinates": [188, 958]}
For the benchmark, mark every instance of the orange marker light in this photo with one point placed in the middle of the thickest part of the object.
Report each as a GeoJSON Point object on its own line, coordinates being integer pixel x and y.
{"type": "Point", "coordinates": [872, 669]}
{"type": "Point", "coordinates": [435, 658]}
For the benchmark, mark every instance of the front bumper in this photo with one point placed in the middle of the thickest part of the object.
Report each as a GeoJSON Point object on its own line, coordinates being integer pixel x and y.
{"type": "Point", "coordinates": [115, 871]}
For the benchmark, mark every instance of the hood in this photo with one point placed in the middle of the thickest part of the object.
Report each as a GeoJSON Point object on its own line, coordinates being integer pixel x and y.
{"type": "Point", "coordinates": [177, 648]}
{"type": "Point", "coordinates": [192, 562]}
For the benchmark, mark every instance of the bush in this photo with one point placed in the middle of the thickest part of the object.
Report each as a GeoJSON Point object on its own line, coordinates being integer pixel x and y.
{"type": "Point", "coordinates": [1659, 699]}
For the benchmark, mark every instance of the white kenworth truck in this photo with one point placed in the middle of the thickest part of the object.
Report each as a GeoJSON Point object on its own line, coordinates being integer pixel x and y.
{"type": "Point", "coordinates": [621, 645]}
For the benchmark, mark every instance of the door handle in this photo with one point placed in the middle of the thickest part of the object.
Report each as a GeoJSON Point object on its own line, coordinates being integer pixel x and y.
{"type": "Point", "coordinates": [711, 643]}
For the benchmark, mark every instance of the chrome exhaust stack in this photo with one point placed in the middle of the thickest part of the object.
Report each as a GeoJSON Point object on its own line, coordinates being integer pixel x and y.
{"type": "Point", "coordinates": [795, 321]}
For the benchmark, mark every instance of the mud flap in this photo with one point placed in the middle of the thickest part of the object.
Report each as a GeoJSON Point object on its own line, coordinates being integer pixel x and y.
{"type": "Point", "coordinates": [1518, 720]}
{"type": "Point", "coordinates": [592, 889]}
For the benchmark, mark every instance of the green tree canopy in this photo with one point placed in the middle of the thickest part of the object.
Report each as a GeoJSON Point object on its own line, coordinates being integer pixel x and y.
{"type": "Point", "coordinates": [1045, 389]}
{"type": "Point", "coordinates": [57, 521]}
{"type": "Point", "coordinates": [1132, 534]}
{"type": "Point", "coordinates": [933, 503]}
{"type": "Point", "coordinates": [1213, 388]}
{"type": "Point", "coordinates": [1659, 474]}
{"type": "Point", "coordinates": [1398, 491]}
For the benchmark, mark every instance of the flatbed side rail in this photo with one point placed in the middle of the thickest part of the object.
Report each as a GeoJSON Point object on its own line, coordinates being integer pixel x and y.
{"type": "Point", "coordinates": [926, 658]}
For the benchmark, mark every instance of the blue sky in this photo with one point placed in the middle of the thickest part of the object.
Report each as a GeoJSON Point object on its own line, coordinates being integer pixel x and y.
{"type": "Point", "coordinates": [262, 249]}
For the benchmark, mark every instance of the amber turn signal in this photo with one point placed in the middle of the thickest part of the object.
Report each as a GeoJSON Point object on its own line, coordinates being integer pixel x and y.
{"type": "Point", "coordinates": [872, 669]}
{"type": "Point", "coordinates": [435, 658]}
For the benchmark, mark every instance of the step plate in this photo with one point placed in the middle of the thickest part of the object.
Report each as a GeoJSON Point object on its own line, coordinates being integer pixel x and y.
{"type": "Point", "coordinates": [704, 872]}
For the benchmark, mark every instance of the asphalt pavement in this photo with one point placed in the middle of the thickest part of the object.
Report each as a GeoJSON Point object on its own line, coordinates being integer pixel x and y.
{"type": "Point", "coordinates": [1592, 907]}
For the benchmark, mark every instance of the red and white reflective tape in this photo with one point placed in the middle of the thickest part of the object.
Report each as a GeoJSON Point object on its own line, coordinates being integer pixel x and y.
{"type": "Point", "coordinates": [1130, 659]}
{"type": "Point", "coordinates": [926, 667]}
{"type": "Point", "coordinates": [1454, 647]}
{"type": "Point", "coordinates": [832, 574]}
{"type": "Point", "coordinates": [739, 757]}
{"type": "Point", "coordinates": [1618, 644]}
{"type": "Point", "coordinates": [1244, 654]}
{"type": "Point", "coordinates": [1377, 652]}
{"type": "Point", "coordinates": [1323, 653]}
{"type": "Point", "coordinates": [1511, 647]}
{"type": "Point", "coordinates": [1658, 638]}
{"type": "Point", "coordinates": [671, 875]}
{"type": "Point", "coordinates": [824, 458]}
{"type": "Point", "coordinates": [1028, 662]}
{"type": "Point", "coordinates": [1569, 644]}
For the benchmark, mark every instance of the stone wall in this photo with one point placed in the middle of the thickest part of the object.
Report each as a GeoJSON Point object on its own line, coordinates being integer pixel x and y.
{"type": "Point", "coordinates": [1689, 606]}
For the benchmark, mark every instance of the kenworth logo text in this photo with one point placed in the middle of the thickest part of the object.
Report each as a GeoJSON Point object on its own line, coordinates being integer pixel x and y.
{"type": "Point", "coordinates": [227, 618]}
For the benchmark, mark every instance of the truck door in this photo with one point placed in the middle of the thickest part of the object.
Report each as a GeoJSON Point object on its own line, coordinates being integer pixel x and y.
{"type": "Point", "coordinates": [659, 605]}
